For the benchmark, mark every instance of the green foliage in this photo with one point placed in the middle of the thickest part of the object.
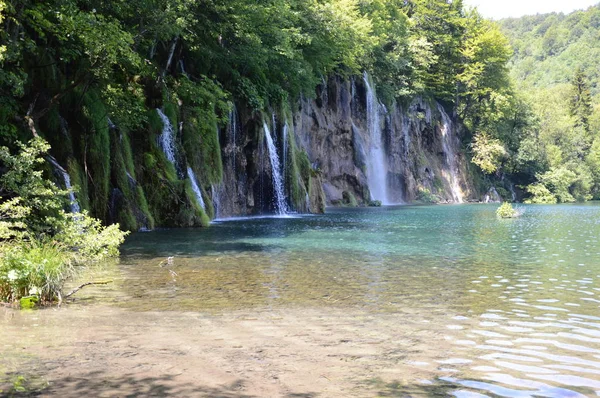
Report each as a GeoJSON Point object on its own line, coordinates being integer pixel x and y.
{"type": "Point", "coordinates": [348, 199]}
{"type": "Point", "coordinates": [424, 195]}
{"type": "Point", "coordinates": [506, 210]}
{"type": "Point", "coordinates": [33, 269]}
{"type": "Point", "coordinates": [555, 64]}
{"type": "Point", "coordinates": [40, 244]}
{"type": "Point", "coordinates": [488, 153]}
{"type": "Point", "coordinates": [540, 194]}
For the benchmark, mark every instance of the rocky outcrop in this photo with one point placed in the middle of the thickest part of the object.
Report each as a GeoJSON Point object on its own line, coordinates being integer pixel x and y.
{"type": "Point", "coordinates": [423, 158]}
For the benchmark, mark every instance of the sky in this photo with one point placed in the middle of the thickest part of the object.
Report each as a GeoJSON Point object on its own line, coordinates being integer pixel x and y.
{"type": "Point", "coordinates": [497, 9]}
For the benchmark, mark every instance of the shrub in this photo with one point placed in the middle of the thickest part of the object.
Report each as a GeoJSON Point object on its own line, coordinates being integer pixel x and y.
{"type": "Point", "coordinates": [507, 211]}
{"type": "Point", "coordinates": [41, 244]}
{"type": "Point", "coordinates": [424, 195]}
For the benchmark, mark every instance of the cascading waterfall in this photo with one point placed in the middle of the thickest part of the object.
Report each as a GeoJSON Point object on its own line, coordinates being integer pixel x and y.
{"type": "Point", "coordinates": [196, 188]}
{"type": "Point", "coordinates": [67, 179]}
{"type": "Point", "coordinates": [170, 58]}
{"type": "Point", "coordinates": [376, 161]}
{"type": "Point", "coordinates": [450, 155]}
{"type": "Point", "coordinates": [276, 173]}
{"type": "Point", "coordinates": [216, 200]}
{"type": "Point", "coordinates": [182, 67]}
{"type": "Point", "coordinates": [166, 139]}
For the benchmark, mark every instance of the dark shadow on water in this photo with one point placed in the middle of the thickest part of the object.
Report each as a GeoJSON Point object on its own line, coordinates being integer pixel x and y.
{"type": "Point", "coordinates": [101, 384]}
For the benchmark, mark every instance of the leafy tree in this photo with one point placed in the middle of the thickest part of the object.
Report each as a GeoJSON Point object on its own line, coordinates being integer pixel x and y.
{"type": "Point", "coordinates": [580, 104]}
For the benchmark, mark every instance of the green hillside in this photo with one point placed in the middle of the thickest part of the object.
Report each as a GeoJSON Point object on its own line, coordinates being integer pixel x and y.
{"type": "Point", "coordinates": [555, 71]}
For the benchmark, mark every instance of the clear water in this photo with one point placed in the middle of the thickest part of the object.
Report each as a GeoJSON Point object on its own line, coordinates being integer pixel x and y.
{"type": "Point", "coordinates": [515, 303]}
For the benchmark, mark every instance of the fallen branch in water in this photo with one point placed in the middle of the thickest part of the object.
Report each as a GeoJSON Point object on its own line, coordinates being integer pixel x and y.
{"type": "Point", "coordinates": [78, 288]}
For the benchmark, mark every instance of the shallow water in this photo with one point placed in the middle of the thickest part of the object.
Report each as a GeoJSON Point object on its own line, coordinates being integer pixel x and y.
{"type": "Point", "coordinates": [507, 308]}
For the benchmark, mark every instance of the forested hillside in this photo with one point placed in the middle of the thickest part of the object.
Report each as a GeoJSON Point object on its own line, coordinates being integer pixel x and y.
{"type": "Point", "coordinates": [555, 67]}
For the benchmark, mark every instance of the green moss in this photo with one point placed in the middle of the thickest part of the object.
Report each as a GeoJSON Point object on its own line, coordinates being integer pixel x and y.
{"type": "Point", "coordinates": [144, 208]}
{"type": "Point", "coordinates": [424, 195]}
{"type": "Point", "coordinates": [201, 144]}
{"type": "Point", "coordinates": [348, 199]}
{"type": "Point", "coordinates": [154, 122]}
{"type": "Point", "coordinates": [96, 136]}
{"type": "Point", "coordinates": [149, 160]}
{"type": "Point", "coordinates": [199, 216]}
{"type": "Point", "coordinates": [127, 220]}
{"type": "Point", "coordinates": [172, 112]}
{"type": "Point", "coordinates": [297, 181]}
{"type": "Point", "coordinates": [79, 183]}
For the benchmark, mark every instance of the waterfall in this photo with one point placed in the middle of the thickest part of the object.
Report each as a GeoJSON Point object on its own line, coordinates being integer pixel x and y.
{"type": "Point", "coordinates": [376, 162]}
{"type": "Point", "coordinates": [67, 180]}
{"type": "Point", "coordinates": [182, 67]}
{"type": "Point", "coordinates": [196, 188]}
{"type": "Point", "coordinates": [170, 59]}
{"type": "Point", "coordinates": [216, 200]}
{"type": "Point", "coordinates": [276, 173]}
{"type": "Point", "coordinates": [446, 130]}
{"type": "Point", "coordinates": [166, 139]}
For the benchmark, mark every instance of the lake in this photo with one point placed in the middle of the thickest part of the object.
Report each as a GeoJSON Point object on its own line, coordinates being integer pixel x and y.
{"type": "Point", "coordinates": [391, 301]}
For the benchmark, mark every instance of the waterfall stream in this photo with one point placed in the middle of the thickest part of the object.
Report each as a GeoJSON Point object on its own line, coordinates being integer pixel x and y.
{"type": "Point", "coordinates": [166, 139]}
{"type": "Point", "coordinates": [450, 155]}
{"type": "Point", "coordinates": [196, 188]}
{"type": "Point", "coordinates": [276, 173]}
{"type": "Point", "coordinates": [376, 161]}
{"type": "Point", "coordinates": [67, 180]}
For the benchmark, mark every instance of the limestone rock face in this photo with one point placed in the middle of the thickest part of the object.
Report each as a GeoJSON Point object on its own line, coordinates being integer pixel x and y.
{"type": "Point", "coordinates": [335, 134]}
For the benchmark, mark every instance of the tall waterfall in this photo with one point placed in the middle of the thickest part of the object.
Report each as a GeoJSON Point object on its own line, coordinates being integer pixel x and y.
{"type": "Point", "coordinates": [276, 173]}
{"type": "Point", "coordinates": [196, 188]}
{"type": "Point", "coordinates": [376, 161]}
{"type": "Point", "coordinates": [166, 139]}
{"type": "Point", "coordinates": [450, 155]}
{"type": "Point", "coordinates": [67, 180]}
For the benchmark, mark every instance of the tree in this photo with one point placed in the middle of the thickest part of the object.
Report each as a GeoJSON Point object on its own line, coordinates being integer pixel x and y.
{"type": "Point", "coordinates": [580, 103]}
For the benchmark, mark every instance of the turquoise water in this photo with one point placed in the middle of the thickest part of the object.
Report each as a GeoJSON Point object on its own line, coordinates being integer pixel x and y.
{"type": "Point", "coordinates": [517, 300]}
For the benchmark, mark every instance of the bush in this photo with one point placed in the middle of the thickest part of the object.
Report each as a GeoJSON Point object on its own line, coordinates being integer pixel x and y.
{"type": "Point", "coordinates": [33, 269]}
{"type": "Point", "coordinates": [424, 195]}
{"type": "Point", "coordinates": [41, 244]}
{"type": "Point", "coordinates": [507, 211]}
